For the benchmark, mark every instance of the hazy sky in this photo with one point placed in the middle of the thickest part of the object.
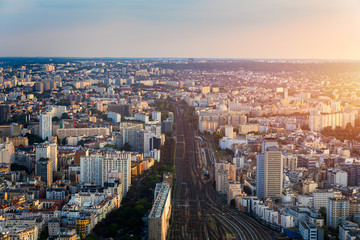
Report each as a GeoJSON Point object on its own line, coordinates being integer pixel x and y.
{"type": "Point", "coordinates": [327, 29]}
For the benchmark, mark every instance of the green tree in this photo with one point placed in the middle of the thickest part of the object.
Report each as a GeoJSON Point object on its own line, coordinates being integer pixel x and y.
{"type": "Point", "coordinates": [140, 210]}
{"type": "Point", "coordinates": [247, 190]}
{"type": "Point", "coordinates": [232, 203]}
{"type": "Point", "coordinates": [16, 167]}
{"type": "Point", "coordinates": [230, 152]}
{"type": "Point", "coordinates": [55, 119]}
{"type": "Point", "coordinates": [322, 211]}
{"type": "Point", "coordinates": [104, 117]}
{"type": "Point", "coordinates": [63, 102]}
{"type": "Point", "coordinates": [217, 137]}
{"type": "Point", "coordinates": [326, 232]}
{"type": "Point", "coordinates": [112, 229]}
{"type": "Point", "coordinates": [91, 237]}
{"type": "Point", "coordinates": [65, 116]}
{"type": "Point", "coordinates": [44, 234]}
{"type": "Point", "coordinates": [64, 141]}
{"type": "Point", "coordinates": [126, 147]}
{"type": "Point", "coordinates": [95, 111]}
{"type": "Point", "coordinates": [34, 138]}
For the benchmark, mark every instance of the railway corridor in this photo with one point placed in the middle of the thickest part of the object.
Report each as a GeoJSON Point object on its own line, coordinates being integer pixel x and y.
{"type": "Point", "coordinates": [197, 211]}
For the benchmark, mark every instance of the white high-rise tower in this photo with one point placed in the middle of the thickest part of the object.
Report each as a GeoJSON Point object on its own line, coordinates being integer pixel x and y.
{"type": "Point", "coordinates": [45, 126]}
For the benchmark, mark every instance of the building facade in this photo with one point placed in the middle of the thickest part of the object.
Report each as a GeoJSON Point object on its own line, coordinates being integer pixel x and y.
{"type": "Point", "coordinates": [45, 126]}
{"type": "Point", "coordinates": [269, 174]}
{"type": "Point", "coordinates": [160, 213]}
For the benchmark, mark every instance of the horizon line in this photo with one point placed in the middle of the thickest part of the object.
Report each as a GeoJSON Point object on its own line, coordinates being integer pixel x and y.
{"type": "Point", "coordinates": [199, 58]}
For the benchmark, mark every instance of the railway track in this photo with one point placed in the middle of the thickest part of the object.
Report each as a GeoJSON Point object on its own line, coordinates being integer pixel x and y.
{"type": "Point", "coordinates": [196, 205]}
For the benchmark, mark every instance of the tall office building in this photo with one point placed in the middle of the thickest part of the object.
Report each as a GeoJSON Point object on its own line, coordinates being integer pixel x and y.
{"type": "Point", "coordinates": [97, 168]}
{"type": "Point", "coordinates": [4, 112]}
{"type": "Point", "coordinates": [90, 169]}
{"type": "Point", "coordinates": [260, 176]}
{"type": "Point", "coordinates": [160, 212]}
{"type": "Point", "coordinates": [48, 150]}
{"type": "Point", "coordinates": [353, 171]}
{"type": "Point", "coordinates": [156, 116]}
{"type": "Point", "coordinates": [45, 126]}
{"type": "Point", "coordinates": [339, 209]}
{"type": "Point", "coordinates": [143, 141]}
{"type": "Point", "coordinates": [320, 198]}
{"type": "Point", "coordinates": [269, 174]}
{"type": "Point", "coordinates": [129, 133]}
{"type": "Point", "coordinates": [22, 75]}
{"type": "Point", "coordinates": [39, 86]}
{"type": "Point", "coordinates": [6, 151]}
{"type": "Point", "coordinates": [120, 161]}
{"type": "Point", "coordinates": [57, 79]}
{"type": "Point", "coordinates": [43, 168]}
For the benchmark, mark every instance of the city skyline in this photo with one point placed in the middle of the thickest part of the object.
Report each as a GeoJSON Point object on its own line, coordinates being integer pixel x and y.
{"type": "Point", "coordinates": [95, 148]}
{"type": "Point", "coordinates": [199, 29]}
{"type": "Point", "coordinates": [179, 119]}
